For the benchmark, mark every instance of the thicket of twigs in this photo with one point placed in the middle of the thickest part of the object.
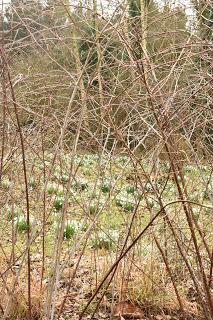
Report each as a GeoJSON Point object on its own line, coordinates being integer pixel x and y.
{"type": "Point", "coordinates": [106, 160]}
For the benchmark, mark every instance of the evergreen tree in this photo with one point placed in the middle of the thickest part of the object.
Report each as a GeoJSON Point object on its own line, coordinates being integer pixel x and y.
{"type": "Point", "coordinates": [23, 17]}
{"type": "Point", "coordinates": [208, 22]}
{"type": "Point", "coordinates": [204, 11]}
{"type": "Point", "coordinates": [56, 12]}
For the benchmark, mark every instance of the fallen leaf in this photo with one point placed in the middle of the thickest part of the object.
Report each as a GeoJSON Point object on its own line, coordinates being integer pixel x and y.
{"type": "Point", "coordinates": [127, 309]}
{"type": "Point", "coordinates": [164, 317]}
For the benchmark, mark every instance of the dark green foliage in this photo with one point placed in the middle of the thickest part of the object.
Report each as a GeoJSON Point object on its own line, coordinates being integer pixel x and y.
{"type": "Point", "coordinates": [128, 207]}
{"type": "Point", "coordinates": [69, 231]}
{"type": "Point", "coordinates": [130, 189]}
{"type": "Point", "coordinates": [87, 48]}
{"type": "Point", "coordinates": [119, 203]}
{"type": "Point", "coordinates": [105, 188]}
{"type": "Point", "coordinates": [125, 205]}
{"type": "Point", "coordinates": [203, 62]}
{"type": "Point", "coordinates": [83, 186]}
{"type": "Point", "coordinates": [23, 17]}
{"type": "Point", "coordinates": [58, 203]}
{"type": "Point", "coordinates": [208, 195]}
{"type": "Point", "coordinates": [22, 225]}
{"type": "Point", "coordinates": [88, 53]}
{"type": "Point", "coordinates": [209, 138]}
{"type": "Point", "coordinates": [134, 8]}
{"type": "Point", "coordinates": [206, 12]}
{"type": "Point", "coordinates": [80, 186]}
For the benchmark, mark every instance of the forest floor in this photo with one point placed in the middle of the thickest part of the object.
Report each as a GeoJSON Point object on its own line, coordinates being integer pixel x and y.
{"type": "Point", "coordinates": [104, 197]}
